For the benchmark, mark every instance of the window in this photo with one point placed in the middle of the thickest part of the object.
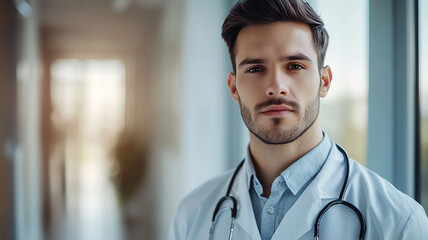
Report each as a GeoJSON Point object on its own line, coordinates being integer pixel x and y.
{"type": "Point", "coordinates": [344, 111]}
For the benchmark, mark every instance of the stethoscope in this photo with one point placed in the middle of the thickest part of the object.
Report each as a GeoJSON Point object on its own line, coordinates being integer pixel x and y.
{"type": "Point", "coordinates": [340, 200]}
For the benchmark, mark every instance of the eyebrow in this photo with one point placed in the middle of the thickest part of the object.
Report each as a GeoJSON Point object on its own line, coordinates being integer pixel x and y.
{"type": "Point", "coordinates": [298, 56]}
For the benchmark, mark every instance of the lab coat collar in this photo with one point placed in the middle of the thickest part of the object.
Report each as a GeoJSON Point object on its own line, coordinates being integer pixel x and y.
{"type": "Point", "coordinates": [249, 168]}
{"type": "Point", "coordinates": [330, 178]}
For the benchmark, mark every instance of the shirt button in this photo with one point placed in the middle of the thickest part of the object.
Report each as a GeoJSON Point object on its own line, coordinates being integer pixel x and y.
{"type": "Point", "coordinates": [270, 210]}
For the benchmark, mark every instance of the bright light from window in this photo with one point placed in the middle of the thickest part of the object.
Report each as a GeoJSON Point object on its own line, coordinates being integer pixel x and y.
{"type": "Point", "coordinates": [344, 111]}
{"type": "Point", "coordinates": [88, 101]}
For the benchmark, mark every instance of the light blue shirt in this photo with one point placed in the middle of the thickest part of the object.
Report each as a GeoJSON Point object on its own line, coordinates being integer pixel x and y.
{"type": "Point", "coordinates": [286, 188]}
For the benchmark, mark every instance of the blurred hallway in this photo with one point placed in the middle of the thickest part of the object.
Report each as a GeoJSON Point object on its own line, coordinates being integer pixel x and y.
{"type": "Point", "coordinates": [70, 116]}
{"type": "Point", "coordinates": [112, 110]}
{"type": "Point", "coordinates": [88, 108]}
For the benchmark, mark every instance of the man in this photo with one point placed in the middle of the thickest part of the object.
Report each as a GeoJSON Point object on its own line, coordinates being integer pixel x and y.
{"type": "Point", "coordinates": [292, 169]}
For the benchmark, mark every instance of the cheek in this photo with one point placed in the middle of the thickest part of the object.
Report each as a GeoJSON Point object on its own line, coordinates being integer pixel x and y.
{"type": "Point", "coordinates": [306, 88]}
{"type": "Point", "coordinates": [247, 92]}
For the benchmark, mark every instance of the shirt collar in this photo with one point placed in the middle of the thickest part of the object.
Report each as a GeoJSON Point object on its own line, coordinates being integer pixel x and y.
{"type": "Point", "coordinates": [301, 171]}
{"type": "Point", "coordinates": [251, 172]}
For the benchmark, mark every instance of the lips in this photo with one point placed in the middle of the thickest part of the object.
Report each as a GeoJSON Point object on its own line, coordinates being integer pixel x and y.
{"type": "Point", "coordinates": [274, 110]}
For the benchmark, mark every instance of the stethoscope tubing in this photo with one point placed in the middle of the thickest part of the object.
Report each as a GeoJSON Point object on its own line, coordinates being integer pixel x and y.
{"type": "Point", "coordinates": [340, 200]}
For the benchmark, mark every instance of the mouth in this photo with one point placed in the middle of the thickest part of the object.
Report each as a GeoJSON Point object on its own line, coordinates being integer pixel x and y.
{"type": "Point", "coordinates": [276, 110]}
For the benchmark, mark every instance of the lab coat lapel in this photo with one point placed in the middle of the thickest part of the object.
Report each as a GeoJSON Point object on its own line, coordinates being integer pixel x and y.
{"type": "Point", "coordinates": [245, 217]}
{"type": "Point", "coordinates": [325, 187]}
{"type": "Point", "coordinates": [330, 179]}
{"type": "Point", "coordinates": [300, 218]}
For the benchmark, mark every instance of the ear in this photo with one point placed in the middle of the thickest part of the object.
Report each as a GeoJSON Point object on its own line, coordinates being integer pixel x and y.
{"type": "Point", "coordinates": [326, 78]}
{"type": "Point", "coordinates": [231, 83]}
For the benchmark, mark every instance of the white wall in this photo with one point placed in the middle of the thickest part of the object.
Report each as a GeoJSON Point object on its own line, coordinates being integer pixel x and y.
{"type": "Point", "coordinates": [27, 159]}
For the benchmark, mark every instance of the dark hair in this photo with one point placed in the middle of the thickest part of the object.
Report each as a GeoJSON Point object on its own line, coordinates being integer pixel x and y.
{"type": "Point", "coordinates": [256, 12]}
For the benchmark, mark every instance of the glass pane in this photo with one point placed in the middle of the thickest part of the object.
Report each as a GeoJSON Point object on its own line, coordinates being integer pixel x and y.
{"type": "Point", "coordinates": [344, 111]}
{"type": "Point", "coordinates": [423, 85]}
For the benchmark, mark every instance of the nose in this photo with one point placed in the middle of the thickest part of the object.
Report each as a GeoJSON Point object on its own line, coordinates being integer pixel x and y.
{"type": "Point", "coordinates": [277, 84]}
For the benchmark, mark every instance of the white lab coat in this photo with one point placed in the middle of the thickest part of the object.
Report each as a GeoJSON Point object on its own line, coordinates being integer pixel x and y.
{"type": "Point", "coordinates": [389, 214]}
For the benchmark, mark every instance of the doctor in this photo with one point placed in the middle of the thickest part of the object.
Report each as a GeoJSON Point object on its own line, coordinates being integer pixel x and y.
{"type": "Point", "coordinates": [292, 169]}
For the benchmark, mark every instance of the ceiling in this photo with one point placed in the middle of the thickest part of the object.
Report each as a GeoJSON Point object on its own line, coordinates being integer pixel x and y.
{"type": "Point", "coordinates": [98, 25]}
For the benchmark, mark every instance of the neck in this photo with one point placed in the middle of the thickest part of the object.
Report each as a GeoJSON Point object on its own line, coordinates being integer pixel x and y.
{"type": "Point", "coordinates": [271, 159]}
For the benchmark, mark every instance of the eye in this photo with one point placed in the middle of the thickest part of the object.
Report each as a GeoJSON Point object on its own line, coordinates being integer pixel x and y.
{"type": "Point", "coordinates": [295, 66]}
{"type": "Point", "coordinates": [255, 69]}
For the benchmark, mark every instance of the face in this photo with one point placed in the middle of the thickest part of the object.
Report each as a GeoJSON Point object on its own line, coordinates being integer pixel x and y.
{"type": "Point", "coordinates": [277, 81]}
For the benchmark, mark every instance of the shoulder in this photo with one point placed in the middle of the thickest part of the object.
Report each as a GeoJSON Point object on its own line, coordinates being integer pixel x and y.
{"type": "Point", "coordinates": [206, 192]}
{"type": "Point", "coordinates": [195, 209]}
{"type": "Point", "coordinates": [383, 205]}
{"type": "Point", "coordinates": [370, 184]}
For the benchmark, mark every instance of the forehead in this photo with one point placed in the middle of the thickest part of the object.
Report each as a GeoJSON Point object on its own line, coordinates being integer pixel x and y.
{"type": "Point", "coordinates": [275, 40]}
